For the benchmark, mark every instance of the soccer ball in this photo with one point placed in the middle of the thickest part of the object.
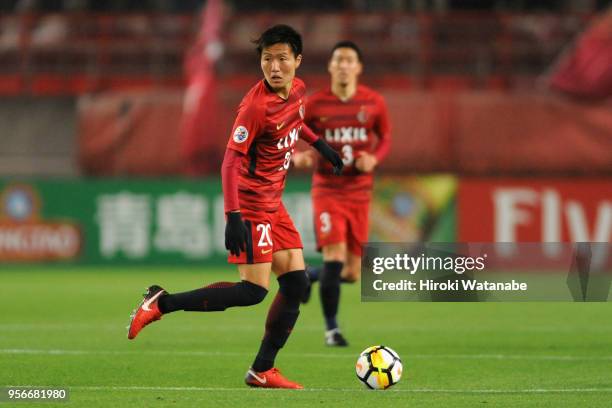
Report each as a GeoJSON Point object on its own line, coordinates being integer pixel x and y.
{"type": "Point", "coordinates": [379, 367]}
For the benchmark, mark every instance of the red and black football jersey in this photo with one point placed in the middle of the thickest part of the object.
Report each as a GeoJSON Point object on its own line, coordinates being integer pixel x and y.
{"type": "Point", "coordinates": [265, 131]}
{"type": "Point", "coordinates": [359, 124]}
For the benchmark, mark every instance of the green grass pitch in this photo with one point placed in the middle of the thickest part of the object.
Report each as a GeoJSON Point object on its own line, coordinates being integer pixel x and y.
{"type": "Point", "coordinates": [66, 328]}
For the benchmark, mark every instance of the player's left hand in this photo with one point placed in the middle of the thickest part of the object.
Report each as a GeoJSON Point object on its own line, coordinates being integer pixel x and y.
{"type": "Point", "coordinates": [330, 155]}
{"type": "Point", "coordinates": [366, 162]}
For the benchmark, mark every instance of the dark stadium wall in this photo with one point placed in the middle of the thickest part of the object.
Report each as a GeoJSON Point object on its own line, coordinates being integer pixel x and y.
{"type": "Point", "coordinates": [470, 132]}
{"type": "Point", "coordinates": [38, 136]}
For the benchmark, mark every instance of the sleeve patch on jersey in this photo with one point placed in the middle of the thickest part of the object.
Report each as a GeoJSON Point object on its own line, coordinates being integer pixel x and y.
{"type": "Point", "coordinates": [241, 134]}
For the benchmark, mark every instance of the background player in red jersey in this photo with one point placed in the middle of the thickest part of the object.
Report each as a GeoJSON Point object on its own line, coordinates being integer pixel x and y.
{"type": "Point", "coordinates": [353, 119]}
{"type": "Point", "coordinates": [259, 232]}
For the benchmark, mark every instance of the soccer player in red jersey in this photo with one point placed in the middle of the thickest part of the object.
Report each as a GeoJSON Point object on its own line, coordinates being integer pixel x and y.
{"type": "Point", "coordinates": [353, 119]}
{"type": "Point", "coordinates": [259, 233]}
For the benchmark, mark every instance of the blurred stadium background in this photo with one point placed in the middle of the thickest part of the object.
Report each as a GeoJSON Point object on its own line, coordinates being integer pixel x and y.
{"type": "Point", "coordinates": [114, 117]}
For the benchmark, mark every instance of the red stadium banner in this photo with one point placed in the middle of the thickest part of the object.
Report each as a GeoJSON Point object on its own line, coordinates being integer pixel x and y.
{"type": "Point", "coordinates": [585, 68]}
{"type": "Point", "coordinates": [522, 210]}
{"type": "Point", "coordinates": [199, 123]}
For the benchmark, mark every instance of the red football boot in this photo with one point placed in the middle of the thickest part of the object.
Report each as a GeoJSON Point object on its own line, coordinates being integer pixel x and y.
{"type": "Point", "coordinates": [269, 379]}
{"type": "Point", "coordinates": [147, 311]}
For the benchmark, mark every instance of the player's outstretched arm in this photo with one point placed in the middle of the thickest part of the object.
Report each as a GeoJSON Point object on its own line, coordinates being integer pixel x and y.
{"type": "Point", "coordinates": [324, 149]}
{"type": "Point", "coordinates": [235, 230]}
{"type": "Point", "coordinates": [330, 155]}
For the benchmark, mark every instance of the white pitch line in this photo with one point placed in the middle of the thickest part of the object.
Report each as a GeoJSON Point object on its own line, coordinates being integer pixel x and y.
{"type": "Point", "coordinates": [63, 352]}
{"type": "Point", "coordinates": [24, 327]}
{"type": "Point", "coordinates": [404, 390]}
{"type": "Point", "coordinates": [121, 328]}
{"type": "Point", "coordinates": [513, 357]}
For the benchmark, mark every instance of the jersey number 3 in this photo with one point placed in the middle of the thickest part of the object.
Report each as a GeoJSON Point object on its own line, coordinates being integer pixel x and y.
{"type": "Point", "coordinates": [325, 219]}
{"type": "Point", "coordinates": [347, 155]}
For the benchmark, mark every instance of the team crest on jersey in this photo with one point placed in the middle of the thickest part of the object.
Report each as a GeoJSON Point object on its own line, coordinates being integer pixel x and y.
{"type": "Point", "coordinates": [241, 134]}
{"type": "Point", "coordinates": [302, 110]}
{"type": "Point", "coordinates": [362, 115]}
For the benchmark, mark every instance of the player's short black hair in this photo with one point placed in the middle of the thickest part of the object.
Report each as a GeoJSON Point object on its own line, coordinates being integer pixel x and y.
{"type": "Point", "coordinates": [280, 34]}
{"type": "Point", "coordinates": [347, 44]}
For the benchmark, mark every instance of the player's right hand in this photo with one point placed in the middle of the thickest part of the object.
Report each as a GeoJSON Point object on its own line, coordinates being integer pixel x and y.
{"type": "Point", "coordinates": [303, 160]}
{"type": "Point", "coordinates": [365, 162]}
{"type": "Point", "coordinates": [330, 155]}
{"type": "Point", "coordinates": [235, 233]}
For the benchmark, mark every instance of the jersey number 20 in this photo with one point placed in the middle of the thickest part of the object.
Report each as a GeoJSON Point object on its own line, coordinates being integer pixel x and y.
{"type": "Point", "coordinates": [265, 237]}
